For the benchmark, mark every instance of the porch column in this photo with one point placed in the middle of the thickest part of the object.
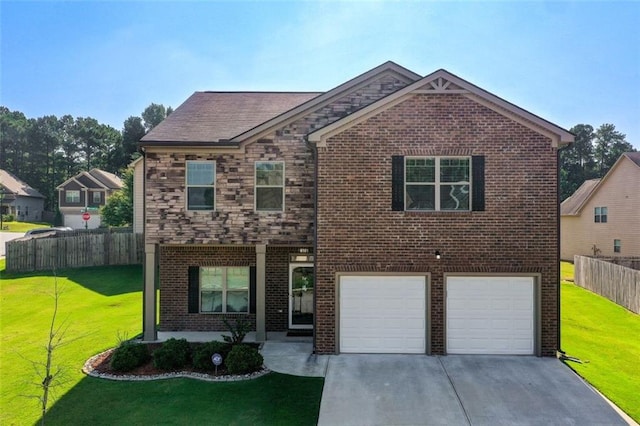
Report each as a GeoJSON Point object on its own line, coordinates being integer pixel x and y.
{"type": "Point", "coordinates": [261, 254]}
{"type": "Point", "coordinates": [149, 294]}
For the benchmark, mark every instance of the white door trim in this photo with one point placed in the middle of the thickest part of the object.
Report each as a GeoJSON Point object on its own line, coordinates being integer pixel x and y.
{"type": "Point", "coordinates": [292, 266]}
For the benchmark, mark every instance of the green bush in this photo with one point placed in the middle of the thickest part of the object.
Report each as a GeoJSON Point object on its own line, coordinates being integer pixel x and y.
{"type": "Point", "coordinates": [202, 354]}
{"type": "Point", "coordinates": [129, 355]}
{"type": "Point", "coordinates": [172, 355]}
{"type": "Point", "coordinates": [8, 218]}
{"type": "Point", "coordinates": [243, 359]}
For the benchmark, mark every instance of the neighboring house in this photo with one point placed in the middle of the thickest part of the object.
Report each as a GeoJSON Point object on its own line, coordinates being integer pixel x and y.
{"type": "Point", "coordinates": [86, 192]}
{"type": "Point", "coordinates": [602, 217]}
{"type": "Point", "coordinates": [138, 195]}
{"type": "Point", "coordinates": [393, 213]}
{"type": "Point", "coordinates": [19, 199]}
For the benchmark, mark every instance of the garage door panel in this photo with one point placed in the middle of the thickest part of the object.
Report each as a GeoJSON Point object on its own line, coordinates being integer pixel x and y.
{"type": "Point", "coordinates": [490, 315]}
{"type": "Point", "coordinates": [383, 314]}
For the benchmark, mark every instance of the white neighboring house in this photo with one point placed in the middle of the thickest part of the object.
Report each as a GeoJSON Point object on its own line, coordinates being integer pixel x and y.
{"type": "Point", "coordinates": [138, 195]}
{"type": "Point", "coordinates": [19, 199]}
{"type": "Point", "coordinates": [86, 192]}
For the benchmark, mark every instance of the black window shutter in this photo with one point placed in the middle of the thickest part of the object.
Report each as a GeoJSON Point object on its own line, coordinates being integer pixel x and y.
{"type": "Point", "coordinates": [397, 183]}
{"type": "Point", "coordinates": [252, 289]}
{"type": "Point", "coordinates": [477, 166]}
{"type": "Point", "coordinates": [194, 289]}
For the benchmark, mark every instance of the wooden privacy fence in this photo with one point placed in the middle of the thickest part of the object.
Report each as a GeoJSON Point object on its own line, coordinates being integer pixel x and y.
{"type": "Point", "coordinates": [617, 283]}
{"type": "Point", "coordinates": [74, 251]}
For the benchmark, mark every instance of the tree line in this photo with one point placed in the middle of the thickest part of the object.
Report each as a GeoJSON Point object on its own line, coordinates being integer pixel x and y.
{"type": "Point", "coordinates": [46, 151]}
{"type": "Point", "coordinates": [591, 156]}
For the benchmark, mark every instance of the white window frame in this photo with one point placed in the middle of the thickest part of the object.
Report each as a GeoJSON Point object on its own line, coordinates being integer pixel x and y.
{"type": "Point", "coordinates": [93, 197]}
{"type": "Point", "coordinates": [224, 290]}
{"type": "Point", "coordinates": [599, 213]}
{"type": "Point", "coordinates": [256, 186]}
{"type": "Point", "coordinates": [437, 182]}
{"type": "Point", "coordinates": [187, 186]}
{"type": "Point", "coordinates": [67, 198]}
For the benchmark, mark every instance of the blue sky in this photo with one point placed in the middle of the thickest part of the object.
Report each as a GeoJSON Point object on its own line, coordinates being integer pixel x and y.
{"type": "Point", "coordinates": [569, 62]}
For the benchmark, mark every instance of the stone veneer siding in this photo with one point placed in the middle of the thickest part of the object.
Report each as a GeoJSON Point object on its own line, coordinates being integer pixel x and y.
{"type": "Point", "coordinates": [358, 231]}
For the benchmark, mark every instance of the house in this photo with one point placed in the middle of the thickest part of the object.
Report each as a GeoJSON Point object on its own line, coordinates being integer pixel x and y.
{"type": "Point", "coordinates": [83, 193]}
{"type": "Point", "coordinates": [601, 218]}
{"type": "Point", "coordinates": [19, 199]}
{"type": "Point", "coordinates": [393, 213]}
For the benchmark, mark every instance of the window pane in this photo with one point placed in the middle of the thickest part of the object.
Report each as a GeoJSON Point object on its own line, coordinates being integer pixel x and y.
{"type": "Point", "coordinates": [454, 170]}
{"type": "Point", "coordinates": [237, 301]}
{"type": "Point", "coordinates": [597, 211]}
{"type": "Point", "coordinates": [268, 198]}
{"type": "Point", "coordinates": [238, 278]}
{"type": "Point", "coordinates": [454, 197]}
{"type": "Point", "coordinates": [421, 197]}
{"type": "Point", "coordinates": [200, 173]}
{"type": "Point", "coordinates": [420, 170]}
{"type": "Point", "coordinates": [211, 278]}
{"type": "Point", "coordinates": [200, 198]}
{"type": "Point", "coordinates": [211, 301]}
{"type": "Point", "coordinates": [269, 173]}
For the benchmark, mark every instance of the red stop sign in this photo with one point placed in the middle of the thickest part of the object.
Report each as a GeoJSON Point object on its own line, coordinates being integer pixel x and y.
{"type": "Point", "coordinates": [86, 216]}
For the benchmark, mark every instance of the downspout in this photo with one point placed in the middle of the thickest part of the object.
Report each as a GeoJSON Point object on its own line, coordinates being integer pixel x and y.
{"type": "Point", "coordinates": [314, 151]}
{"type": "Point", "coordinates": [559, 350]}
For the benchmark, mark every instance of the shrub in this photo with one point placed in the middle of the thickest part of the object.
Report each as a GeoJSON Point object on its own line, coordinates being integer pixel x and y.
{"type": "Point", "coordinates": [243, 359]}
{"type": "Point", "coordinates": [129, 355]}
{"type": "Point", "coordinates": [172, 355]}
{"type": "Point", "coordinates": [238, 331]}
{"type": "Point", "coordinates": [202, 354]}
{"type": "Point", "coordinates": [8, 218]}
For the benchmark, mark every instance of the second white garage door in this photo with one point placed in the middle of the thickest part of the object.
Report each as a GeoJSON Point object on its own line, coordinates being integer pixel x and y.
{"type": "Point", "coordinates": [490, 315]}
{"type": "Point", "coordinates": [382, 314]}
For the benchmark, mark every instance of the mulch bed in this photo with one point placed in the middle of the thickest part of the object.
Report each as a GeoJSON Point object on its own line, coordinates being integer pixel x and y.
{"type": "Point", "coordinates": [100, 366]}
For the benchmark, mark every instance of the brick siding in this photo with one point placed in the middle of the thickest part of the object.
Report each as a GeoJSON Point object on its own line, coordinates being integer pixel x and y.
{"type": "Point", "coordinates": [358, 231]}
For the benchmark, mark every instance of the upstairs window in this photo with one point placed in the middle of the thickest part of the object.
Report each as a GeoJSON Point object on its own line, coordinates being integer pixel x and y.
{"type": "Point", "coordinates": [269, 189]}
{"type": "Point", "coordinates": [96, 198]}
{"type": "Point", "coordinates": [600, 215]}
{"type": "Point", "coordinates": [201, 185]}
{"type": "Point", "coordinates": [437, 183]}
{"type": "Point", "coordinates": [72, 196]}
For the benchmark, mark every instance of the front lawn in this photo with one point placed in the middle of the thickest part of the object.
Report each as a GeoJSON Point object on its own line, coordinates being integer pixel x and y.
{"type": "Point", "coordinates": [23, 226]}
{"type": "Point", "coordinates": [605, 336]}
{"type": "Point", "coordinates": [100, 304]}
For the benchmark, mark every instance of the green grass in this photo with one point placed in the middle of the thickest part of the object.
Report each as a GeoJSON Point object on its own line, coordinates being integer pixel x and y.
{"type": "Point", "coordinates": [605, 336]}
{"type": "Point", "coordinates": [98, 305]}
{"type": "Point", "coordinates": [23, 226]}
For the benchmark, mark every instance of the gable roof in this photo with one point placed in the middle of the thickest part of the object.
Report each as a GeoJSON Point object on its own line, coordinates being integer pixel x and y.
{"type": "Point", "coordinates": [229, 118]}
{"type": "Point", "coordinates": [16, 186]}
{"type": "Point", "coordinates": [444, 82]}
{"type": "Point", "coordinates": [216, 117]}
{"type": "Point", "coordinates": [573, 205]}
{"type": "Point", "coordinates": [101, 179]}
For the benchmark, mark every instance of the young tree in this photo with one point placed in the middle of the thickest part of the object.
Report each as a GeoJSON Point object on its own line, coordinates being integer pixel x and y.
{"type": "Point", "coordinates": [119, 208]}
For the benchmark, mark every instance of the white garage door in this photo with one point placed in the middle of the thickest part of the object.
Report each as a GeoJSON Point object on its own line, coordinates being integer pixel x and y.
{"type": "Point", "coordinates": [490, 315]}
{"type": "Point", "coordinates": [383, 314]}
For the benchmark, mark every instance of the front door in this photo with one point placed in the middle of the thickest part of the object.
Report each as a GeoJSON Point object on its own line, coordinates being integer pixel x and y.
{"type": "Point", "coordinates": [301, 295]}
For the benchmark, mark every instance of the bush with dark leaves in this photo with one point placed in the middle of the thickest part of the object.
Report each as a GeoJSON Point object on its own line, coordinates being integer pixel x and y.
{"type": "Point", "coordinates": [174, 354]}
{"type": "Point", "coordinates": [202, 354]}
{"type": "Point", "coordinates": [243, 359]}
{"type": "Point", "coordinates": [129, 355]}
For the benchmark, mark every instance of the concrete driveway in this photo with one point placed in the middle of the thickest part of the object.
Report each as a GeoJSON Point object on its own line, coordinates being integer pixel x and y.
{"type": "Point", "coordinates": [458, 390]}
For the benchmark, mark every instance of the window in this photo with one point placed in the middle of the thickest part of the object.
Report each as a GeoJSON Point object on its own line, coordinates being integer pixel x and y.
{"type": "Point", "coordinates": [201, 181]}
{"type": "Point", "coordinates": [72, 196]}
{"type": "Point", "coordinates": [224, 290]}
{"type": "Point", "coordinates": [617, 246]}
{"type": "Point", "coordinates": [600, 215]}
{"type": "Point", "coordinates": [269, 191]}
{"type": "Point", "coordinates": [96, 198]}
{"type": "Point", "coordinates": [437, 183]}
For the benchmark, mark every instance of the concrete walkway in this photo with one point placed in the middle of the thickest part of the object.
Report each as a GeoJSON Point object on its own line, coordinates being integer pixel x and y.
{"type": "Point", "coordinates": [458, 390]}
{"type": "Point", "coordinates": [294, 358]}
